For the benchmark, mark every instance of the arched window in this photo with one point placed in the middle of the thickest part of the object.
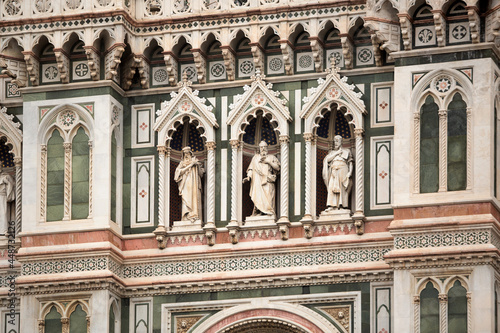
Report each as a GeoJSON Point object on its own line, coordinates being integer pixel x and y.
{"type": "Point", "coordinates": [457, 308]}
{"type": "Point", "coordinates": [458, 23]}
{"type": "Point", "coordinates": [80, 176]}
{"type": "Point", "coordinates": [429, 146]}
{"type": "Point", "coordinates": [78, 320]}
{"type": "Point", "coordinates": [112, 320]}
{"type": "Point", "coordinates": [429, 309]}
{"type": "Point", "coordinates": [457, 144]}
{"type": "Point", "coordinates": [55, 177]}
{"type": "Point", "coordinates": [53, 321]}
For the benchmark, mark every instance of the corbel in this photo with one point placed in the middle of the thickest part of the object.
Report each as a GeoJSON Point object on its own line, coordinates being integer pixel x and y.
{"type": "Point", "coordinates": [258, 56]}
{"type": "Point", "coordinates": [229, 62]}
{"type": "Point", "coordinates": [317, 50]}
{"type": "Point", "coordinates": [93, 59]}
{"type": "Point", "coordinates": [32, 67]}
{"type": "Point", "coordinates": [171, 63]}
{"type": "Point", "coordinates": [287, 51]}
{"type": "Point", "coordinates": [347, 50]}
{"type": "Point", "coordinates": [112, 60]}
{"type": "Point", "coordinates": [161, 236]}
{"type": "Point", "coordinates": [62, 60]}
{"type": "Point", "coordinates": [200, 62]}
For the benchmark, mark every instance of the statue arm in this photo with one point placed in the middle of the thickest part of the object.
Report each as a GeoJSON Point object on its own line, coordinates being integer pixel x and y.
{"type": "Point", "coordinates": [274, 163]}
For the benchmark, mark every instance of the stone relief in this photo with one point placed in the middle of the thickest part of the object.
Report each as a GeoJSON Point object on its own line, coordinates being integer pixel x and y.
{"type": "Point", "coordinates": [261, 174]}
{"type": "Point", "coordinates": [188, 177]}
{"type": "Point", "coordinates": [337, 172]}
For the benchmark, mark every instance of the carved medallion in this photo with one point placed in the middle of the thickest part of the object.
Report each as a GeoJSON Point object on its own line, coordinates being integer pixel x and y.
{"type": "Point", "coordinates": [67, 119]}
{"type": "Point", "coordinates": [258, 100]}
{"type": "Point", "coordinates": [185, 106]}
{"type": "Point", "coordinates": [333, 93]}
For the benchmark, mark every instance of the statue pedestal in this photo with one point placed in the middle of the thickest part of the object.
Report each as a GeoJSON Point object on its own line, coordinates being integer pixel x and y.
{"type": "Point", "coordinates": [260, 221]}
{"type": "Point", "coordinates": [335, 215]}
{"type": "Point", "coordinates": [186, 225]}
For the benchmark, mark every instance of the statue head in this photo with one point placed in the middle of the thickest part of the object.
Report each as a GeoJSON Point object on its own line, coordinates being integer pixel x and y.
{"type": "Point", "coordinates": [187, 154]}
{"type": "Point", "coordinates": [337, 142]}
{"type": "Point", "coordinates": [263, 147]}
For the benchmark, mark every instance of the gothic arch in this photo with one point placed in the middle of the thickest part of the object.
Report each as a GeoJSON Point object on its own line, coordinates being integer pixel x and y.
{"type": "Point", "coordinates": [184, 103]}
{"type": "Point", "coordinates": [49, 122]}
{"type": "Point", "coordinates": [333, 90]}
{"type": "Point", "coordinates": [442, 85]}
{"type": "Point", "coordinates": [258, 98]}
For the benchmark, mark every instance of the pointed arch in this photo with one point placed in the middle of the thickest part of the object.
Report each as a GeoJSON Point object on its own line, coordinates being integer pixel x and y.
{"type": "Point", "coordinates": [49, 121]}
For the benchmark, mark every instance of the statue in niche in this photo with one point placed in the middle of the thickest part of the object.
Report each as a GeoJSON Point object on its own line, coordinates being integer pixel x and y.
{"type": "Point", "coordinates": [261, 174]}
{"type": "Point", "coordinates": [188, 177]}
{"type": "Point", "coordinates": [7, 194]}
{"type": "Point", "coordinates": [337, 172]}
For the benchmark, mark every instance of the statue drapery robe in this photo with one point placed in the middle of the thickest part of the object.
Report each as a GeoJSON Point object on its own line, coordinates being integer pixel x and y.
{"type": "Point", "coordinates": [262, 185]}
{"type": "Point", "coordinates": [188, 178]}
{"type": "Point", "coordinates": [335, 174]}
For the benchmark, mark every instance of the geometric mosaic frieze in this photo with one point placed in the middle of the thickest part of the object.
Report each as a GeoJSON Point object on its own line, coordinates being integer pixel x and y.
{"type": "Point", "coordinates": [211, 265]}
{"type": "Point", "coordinates": [457, 238]}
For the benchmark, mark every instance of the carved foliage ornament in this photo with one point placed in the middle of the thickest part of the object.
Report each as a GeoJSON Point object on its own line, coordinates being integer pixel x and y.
{"type": "Point", "coordinates": [43, 6]}
{"type": "Point", "coordinates": [73, 4]}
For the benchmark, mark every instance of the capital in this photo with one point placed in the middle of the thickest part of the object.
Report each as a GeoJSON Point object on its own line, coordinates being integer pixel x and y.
{"type": "Point", "coordinates": [234, 143]}
{"type": "Point", "coordinates": [91, 144]}
{"type": "Point", "coordinates": [161, 150]}
{"type": "Point", "coordinates": [442, 113]}
{"type": "Point", "coordinates": [443, 297]}
{"type": "Point", "coordinates": [416, 299]}
{"type": "Point", "coordinates": [67, 146]}
{"type": "Point", "coordinates": [284, 139]}
{"type": "Point", "coordinates": [18, 161]}
{"type": "Point", "coordinates": [210, 145]}
{"type": "Point", "coordinates": [43, 148]}
{"type": "Point", "coordinates": [359, 132]}
{"type": "Point", "coordinates": [308, 136]}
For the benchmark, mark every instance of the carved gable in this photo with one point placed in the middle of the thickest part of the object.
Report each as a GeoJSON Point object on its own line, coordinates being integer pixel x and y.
{"type": "Point", "coordinates": [11, 131]}
{"type": "Point", "coordinates": [185, 103]}
{"type": "Point", "coordinates": [258, 97]}
{"type": "Point", "coordinates": [333, 89]}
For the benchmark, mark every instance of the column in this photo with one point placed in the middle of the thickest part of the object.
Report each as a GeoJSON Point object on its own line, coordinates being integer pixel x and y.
{"type": "Point", "coordinates": [358, 132]}
{"type": "Point", "coordinates": [210, 146]}
{"type": "Point", "coordinates": [443, 150]}
{"type": "Point", "coordinates": [443, 313]}
{"type": "Point", "coordinates": [416, 152]}
{"type": "Point", "coordinates": [161, 186]}
{"type": "Point", "coordinates": [284, 140]}
{"type": "Point", "coordinates": [416, 314]}
{"type": "Point", "coordinates": [67, 181]}
{"type": "Point", "coordinates": [18, 164]}
{"type": "Point", "coordinates": [308, 137]}
{"type": "Point", "coordinates": [91, 177]}
{"type": "Point", "coordinates": [235, 144]}
{"type": "Point", "coordinates": [43, 182]}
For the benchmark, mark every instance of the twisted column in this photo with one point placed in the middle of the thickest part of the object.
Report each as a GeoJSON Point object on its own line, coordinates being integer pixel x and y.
{"type": "Point", "coordinates": [91, 177]}
{"type": "Point", "coordinates": [167, 185]}
{"type": "Point", "coordinates": [469, 148]}
{"type": "Point", "coordinates": [443, 313]}
{"type": "Point", "coordinates": [416, 314]}
{"type": "Point", "coordinates": [358, 132]}
{"type": "Point", "coordinates": [19, 175]}
{"type": "Point", "coordinates": [443, 150]}
{"type": "Point", "coordinates": [469, 312]}
{"type": "Point", "coordinates": [235, 144]}
{"type": "Point", "coordinates": [43, 182]}
{"type": "Point", "coordinates": [308, 137]}
{"type": "Point", "coordinates": [161, 185]}
{"type": "Point", "coordinates": [67, 181]}
{"type": "Point", "coordinates": [284, 140]}
{"type": "Point", "coordinates": [210, 182]}
{"type": "Point", "coordinates": [416, 152]}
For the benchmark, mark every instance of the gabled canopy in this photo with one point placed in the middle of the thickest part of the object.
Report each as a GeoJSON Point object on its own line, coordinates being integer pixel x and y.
{"type": "Point", "coordinates": [332, 90]}
{"type": "Point", "coordinates": [185, 103]}
{"type": "Point", "coordinates": [11, 131]}
{"type": "Point", "coordinates": [258, 97]}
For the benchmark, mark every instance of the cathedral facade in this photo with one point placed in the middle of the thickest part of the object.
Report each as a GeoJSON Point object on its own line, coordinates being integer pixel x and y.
{"type": "Point", "coordinates": [286, 166]}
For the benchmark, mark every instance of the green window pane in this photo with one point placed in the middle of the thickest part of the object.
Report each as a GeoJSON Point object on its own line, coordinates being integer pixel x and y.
{"type": "Point", "coordinates": [111, 320]}
{"type": "Point", "coordinates": [457, 144]}
{"type": "Point", "coordinates": [429, 310]}
{"type": "Point", "coordinates": [53, 321]}
{"type": "Point", "coordinates": [457, 309]}
{"type": "Point", "coordinates": [113, 178]}
{"type": "Point", "coordinates": [55, 177]}
{"type": "Point", "coordinates": [80, 176]}
{"type": "Point", "coordinates": [429, 147]}
{"type": "Point", "coordinates": [78, 321]}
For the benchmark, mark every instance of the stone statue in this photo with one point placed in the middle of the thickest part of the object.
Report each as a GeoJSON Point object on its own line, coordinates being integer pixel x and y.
{"type": "Point", "coordinates": [337, 172]}
{"type": "Point", "coordinates": [188, 177]}
{"type": "Point", "coordinates": [7, 194]}
{"type": "Point", "coordinates": [262, 173]}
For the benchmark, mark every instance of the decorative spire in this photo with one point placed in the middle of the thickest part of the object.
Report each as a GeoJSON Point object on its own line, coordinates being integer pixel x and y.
{"type": "Point", "coordinates": [185, 82]}
{"type": "Point", "coordinates": [258, 76]}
